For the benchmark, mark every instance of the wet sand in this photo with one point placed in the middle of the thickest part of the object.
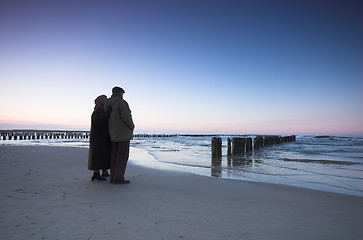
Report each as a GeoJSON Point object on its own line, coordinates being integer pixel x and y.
{"type": "Point", "coordinates": [47, 193]}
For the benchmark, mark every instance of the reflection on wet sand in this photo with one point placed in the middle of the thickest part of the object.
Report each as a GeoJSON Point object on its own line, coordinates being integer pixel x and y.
{"type": "Point", "coordinates": [216, 169]}
{"type": "Point", "coordinates": [232, 161]}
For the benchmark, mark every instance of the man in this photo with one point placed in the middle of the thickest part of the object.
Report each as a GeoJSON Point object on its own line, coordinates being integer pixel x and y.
{"type": "Point", "coordinates": [121, 129]}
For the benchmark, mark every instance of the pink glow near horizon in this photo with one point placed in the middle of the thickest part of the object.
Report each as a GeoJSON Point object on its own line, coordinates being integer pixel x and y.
{"type": "Point", "coordinates": [251, 129]}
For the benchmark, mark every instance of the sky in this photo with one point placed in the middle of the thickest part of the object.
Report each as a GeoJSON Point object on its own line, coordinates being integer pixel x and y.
{"type": "Point", "coordinates": [187, 66]}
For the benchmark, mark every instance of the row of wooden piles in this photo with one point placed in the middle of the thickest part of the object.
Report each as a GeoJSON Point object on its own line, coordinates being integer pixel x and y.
{"type": "Point", "coordinates": [63, 135]}
{"type": "Point", "coordinates": [42, 135]}
{"type": "Point", "coordinates": [242, 146]}
{"type": "Point", "coordinates": [4, 135]}
{"type": "Point", "coordinates": [154, 135]}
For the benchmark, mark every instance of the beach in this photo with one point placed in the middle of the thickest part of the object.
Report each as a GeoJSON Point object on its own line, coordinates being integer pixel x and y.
{"type": "Point", "coordinates": [47, 193]}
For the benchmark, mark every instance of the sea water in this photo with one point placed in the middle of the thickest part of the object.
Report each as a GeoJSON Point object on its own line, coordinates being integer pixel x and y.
{"type": "Point", "coordinates": [327, 163]}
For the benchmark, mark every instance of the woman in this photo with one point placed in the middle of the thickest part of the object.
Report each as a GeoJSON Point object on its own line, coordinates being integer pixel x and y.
{"type": "Point", "coordinates": [100, 144]}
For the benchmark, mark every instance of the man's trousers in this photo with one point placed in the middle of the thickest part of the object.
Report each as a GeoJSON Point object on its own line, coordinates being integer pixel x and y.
{"type": "Point", "coordinates": [119, 157]}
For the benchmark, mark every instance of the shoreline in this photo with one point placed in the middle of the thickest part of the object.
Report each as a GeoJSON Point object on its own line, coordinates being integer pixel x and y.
{"type": "Point", "coordinates": [47, 194]}
{"type": "Point", "coordinates": [295, 170]}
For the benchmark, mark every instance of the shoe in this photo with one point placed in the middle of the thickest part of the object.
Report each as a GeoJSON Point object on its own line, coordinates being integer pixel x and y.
{"type": "Point", "coordinates": [105, 174]}
{"type": "Point", "coordinates": [121, 182]}
{"type": "Point", "coordinates": [97, 176]}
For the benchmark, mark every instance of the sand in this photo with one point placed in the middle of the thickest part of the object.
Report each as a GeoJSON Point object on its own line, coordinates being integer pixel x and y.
{"type": "Point", "coordinates": [47, 193]}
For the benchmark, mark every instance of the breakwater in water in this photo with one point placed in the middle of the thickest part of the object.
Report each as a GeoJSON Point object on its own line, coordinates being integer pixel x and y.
{"type": "Point", "coordinates": [241, 146]}
{"type": "Point", "coordinates": [41, 134]}
{"type": "Point", "coordinates": [259, 141]}
{"type": "Point", "coordinates": [59, 134]}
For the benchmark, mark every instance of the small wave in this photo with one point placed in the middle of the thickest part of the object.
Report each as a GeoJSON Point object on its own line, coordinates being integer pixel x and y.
{"type": "Point", "coordinates": [335, 137]}
{"type": "Point", "coordinates": [185, 164]}
{"type": "Point", "coordinates": [164, 149]}
{"type": "Point", "coordinates": [320, 161]}
{"type": "Point", "coordinates": [324, 136]}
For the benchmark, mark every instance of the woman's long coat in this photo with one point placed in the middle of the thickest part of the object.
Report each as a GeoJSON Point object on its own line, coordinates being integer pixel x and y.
{"type": "Point", "coordinates": [99, 144]}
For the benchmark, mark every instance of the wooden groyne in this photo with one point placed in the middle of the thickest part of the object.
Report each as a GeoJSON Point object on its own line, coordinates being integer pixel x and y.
{"type": "Point", "coordinates": [154, 135]}
{"type": "Point", "coordinates": [245, 145]}
{"type": "Point", "coordinates": [216, 147]}
{"type": "Point", "coordinates": [38, 134]}
{"type": "Point", "coordinates": [49, 134]}
{"type": "Point", "coordinates": [236, 145]}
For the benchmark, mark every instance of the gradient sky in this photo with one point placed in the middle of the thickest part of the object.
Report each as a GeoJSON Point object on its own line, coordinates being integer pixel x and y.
{"type": "Point", "coordinates": [192, 66]}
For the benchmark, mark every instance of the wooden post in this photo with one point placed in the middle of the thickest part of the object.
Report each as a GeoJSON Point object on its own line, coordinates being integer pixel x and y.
{"type": "Point", "coordinates": [267, 141]}
{"type": "Point", "coordinates": [287, 139]}
{"type": "Point", "coordinates": [248, 144]}
{"type": "Point", "coordinates": [276, 140]}
{"type": "Point", "coordinates": [238, 146]}
{"type": "Point", "coordinates": [229, 150]}
{"type": "Point", "coordinates": [258, 142]}
{"type": "Point", "coordinates": [216, 147]}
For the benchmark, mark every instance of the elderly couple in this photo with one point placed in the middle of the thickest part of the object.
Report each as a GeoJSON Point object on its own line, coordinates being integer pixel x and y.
{"type": "Point", "coordinates": [111, 131]}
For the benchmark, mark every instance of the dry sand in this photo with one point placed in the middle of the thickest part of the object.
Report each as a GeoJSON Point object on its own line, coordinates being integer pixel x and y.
{"type": "Point", "coordinates": [47, 193]}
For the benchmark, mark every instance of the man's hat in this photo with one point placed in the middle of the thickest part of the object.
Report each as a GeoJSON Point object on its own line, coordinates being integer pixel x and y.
{"type": "Point", "coordinates": [117, 90]}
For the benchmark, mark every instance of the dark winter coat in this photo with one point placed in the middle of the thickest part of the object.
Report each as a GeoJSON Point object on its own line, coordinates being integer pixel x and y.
{"type": "Point", "coordinates": [121, 126]}
{"type": "Point", "coordinates": [99, 143]}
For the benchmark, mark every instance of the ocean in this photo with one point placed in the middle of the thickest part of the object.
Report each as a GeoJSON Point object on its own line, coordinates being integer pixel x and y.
{"type": "Point", "coordinates": [327, 163]}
